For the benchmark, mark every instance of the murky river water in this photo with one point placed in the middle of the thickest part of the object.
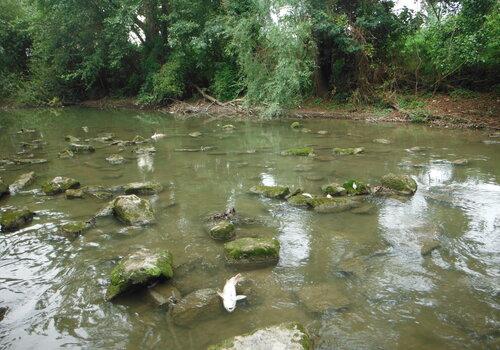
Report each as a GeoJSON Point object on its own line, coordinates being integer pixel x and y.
{"type": "Point", "coordinates": [54, 287]}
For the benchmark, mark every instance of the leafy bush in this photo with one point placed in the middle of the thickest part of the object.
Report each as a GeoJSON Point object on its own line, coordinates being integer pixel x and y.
{"type": "Point", "coordinates": [226, 83]}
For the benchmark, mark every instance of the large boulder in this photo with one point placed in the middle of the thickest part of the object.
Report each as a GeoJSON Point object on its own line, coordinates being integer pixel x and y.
{"type": "Point", "coordinates": [289, 336]}
{"type": "Point", "coordinates": [143, 188]}
{"type": "Point", "coordinates": [332, 205]}
{"type": "Point", "coordinates": [348, 151]}
{"type": "Point", "coordinates": [319, 298]}
{"type": "Point", "coordinates": [302, 151]}
{"type": "Point", "coordinates": [59, 184]}
{"type": "Point", "coordinates": [22, 181]}
{"type": "Point", "coordinates": [14, 219]}
{"type": "Point", "coordinates": [270, 191]}
{"type": "Point", "coordinates": [133, 210]}
{"type": "Point", "coordinates": [81, 148]}
{"type": "Point", "coordinates": [199, 305]}
{"type": "Point", "coordinates": [222, 230]}
{"type": "Point", "coordinates": [399, 184]}
{"type": "Point", "coordinates": [252, 251]}
{"type": "Point", "coordinates": [138, 269]}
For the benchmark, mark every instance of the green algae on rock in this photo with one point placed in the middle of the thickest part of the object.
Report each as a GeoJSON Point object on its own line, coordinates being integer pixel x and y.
{"type": "Point", "coordinates": [222, 230]}
{"type": "Point", "coordinates": [143, 188]}
{"type": "Point", "coordinates": [115, 159]}
{"type": "Point", "coordinates": [73, 194]}
{"type": "Point", "coordinates": [332, 205]}
{"type": "Point", "coordinates": [348, 151]}
{"type": "Point", "coordinates": [289, 336]}
{"type": "Point", "coordinates": [133, 210]}
{"type": "Point", "coordinates": [14, 219]}
{"type": "Point", "coordinates": [75, 228]}
{"type": "Point", "coordinates": [250, 251]}
{"type": "Point", "coordinates": [334, 189]}
{"type": "Point", "coordinates": [296, 125]}
{"type": "Point", "coordinates": [399, 184]}
{"type": "Point", "coordinates": [299, 200]}
{"type": "Point", "coordinates": [355, 187]}
{"type": "Point", "coordinates": [199, 305]}
{"type": "Point", "coordinates": [59, 184]}
{"type": "Point", "coordinates": [271, 191]}
{"type": "Point", "coordinates": [138, 269]}
{"type": "Point", "coordinates": [81, 148]}
{"type": "Point", "coordinates": [300, 151]}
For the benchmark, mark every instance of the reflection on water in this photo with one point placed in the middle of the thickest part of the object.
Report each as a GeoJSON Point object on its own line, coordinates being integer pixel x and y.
{"type": "Point", "coordinates": [54, 287]}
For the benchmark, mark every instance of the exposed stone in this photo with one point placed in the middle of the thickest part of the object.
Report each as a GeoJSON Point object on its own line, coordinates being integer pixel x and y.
{"type": "Point", "coordinates": [115, 159]}
{"type": "Point", "coordinates": [72, 139]}
{"type": "Point", "coordinates": [348, 151]}
{"type": "Point", "coordinates": [271, 191]}
{"type": "Point", "coordinates": [319, 298]}
{"type": "Point", "coordinates": [3, 312]}
{"type": "Point", "coordinates": [300, 200]}
{"type": "Point", "coordinates": [460, 162]}
{"type": "Point", "coordinates": [323, 132]}
{"type": "Point", "coordinates": [199, 305]}
{"type": "Point", "coordinates": [417, 149]}
{"type": "Point", "coordinates": [195, 134]}
{"type": "Point", "coordinates": [382, 141]}
{"type": "Point", "coordinates": [228, 127]}
{"type": "Point", "coordinates": [138, 269]}
{"type": "Point", "coordinates": [304, 151]}
{"type": "Point", "coordinates": [59, 184]}
{"type": "Point", "coordinates": [81, 148]}
{"type": "Point", "coordinates": [164, 295]}
{"type": "Point", "coordinates": [66, 154]}
{"type": "Point", "coordinates": [143, 188]}
{"type": "Point", "coordinates": [73, 194]}
{"type": "Point", "coordinates": [399, 184]}
{"type": "Point", "coordinates": [74, 229]}
{"type": "Point", "coordinates": [289, 336]}
{"type": "Point", "coordinates": [296, 125]}
{"type": "Point", "coordinates": [222, 231]}
{"type": "Point", "coordinates": [252, 251]}
{"type": "Point", "coordinates": [332, 205]}
{"type": "Point", "coordinates": [429, 246]}
{"type": "Point", "coordinates": [334, 189]}
{"type": "Point", "coordinates": [14, 219]}
{"type": "Point", "coordinates": [133, 210]}
{"type": "Point", "coordinates": [21, 182]}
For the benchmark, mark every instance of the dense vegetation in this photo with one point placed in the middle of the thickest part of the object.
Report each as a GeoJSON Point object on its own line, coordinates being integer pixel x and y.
{"type": "Point", "coordinates": [274, 53]}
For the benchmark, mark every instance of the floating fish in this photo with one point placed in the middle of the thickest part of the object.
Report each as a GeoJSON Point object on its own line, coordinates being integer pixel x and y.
{"type": "Point", "coordinates": [228, 294]}
{"type": "Point", "coordinates": [157, 136]}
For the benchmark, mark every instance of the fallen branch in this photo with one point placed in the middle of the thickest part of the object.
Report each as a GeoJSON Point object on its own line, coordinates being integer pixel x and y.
{"type": "Point", "coordinates": [208, 97]}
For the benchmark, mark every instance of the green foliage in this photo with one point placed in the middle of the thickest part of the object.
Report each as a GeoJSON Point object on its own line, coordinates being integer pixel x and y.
{"type": "Point", "coordinates": [226, 84]}
{"type": "Point", "coordinates": [420, 116]}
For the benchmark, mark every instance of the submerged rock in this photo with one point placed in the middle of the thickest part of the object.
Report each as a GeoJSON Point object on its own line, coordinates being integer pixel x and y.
{"type": "Point", "coordinates": [382, 141]}
{"type": "Point", "coordinates": [334, 189]}
{"type": "Point", "coordinates": [74, 229]}
{"type": "Point", "coordinates": [143, 188]}
{"type": "Point", "coordinates": [228, 127]}
{"type": "Point", "coordinates": [164, 295]}
{"type": "Point", "coordinates": [145, 150]}
{"type": "Point", "coordinates": [23, 161]}
{"type": "Point", "coordinates": [66, 154]}
{"type": "Point", "coordinates": [399, 184]}
{"type": "Point", "coordinates": [4, 189]}
{"type": "Point", "coordinates": [115, 159]}
{"type": "Point", "coordinates": [81, 148]}
{"type": "Point", "coordinates": [289, 336]}
{"type": "Point", "coordinates": [222, 231]}
{"type": "Point", "coordinates": [195, 134]}
{"type": "Point", "coordinates": [199, 305]}
{"type": "Point", "coordinates": [348, 151]}
{"type": "Point", "coordinates": [313, 177]}
{"type": "Point", "coordinates": [296, 125]}
{"type": "Point", "coordinates": [323, 132]}
{"type": "Point", "coordinates": [303, 151]}
{"type": "Point", "coordinates": [355, 188]}
{"type": "Point", "coordinates": [332, 205]}
{"type": "Point", "coordinates": [460, 162]}
{"type": "Point", "coordinates": [72, 139]}
{"type": "Point", "coordinates": [21, 182]}
{"type": "Point", "coordinates": [138, 269]}
{"type": "Point", "coordinates": [319, 298]}
{"type": "Point", "coordinates": [259, 251]}
{"type": "Point", "coordinates": [73, 194]}
{"type": "Point", "coordinates": [429, 246]}
{"type": "Point", "coordinates": [14, 219]}
{"type": "Point", "coordinates": [133, 210]}
{"type": "Point", "coordinates": [59, 184]}
{"type": "Point", "coordinates": [271, 191]}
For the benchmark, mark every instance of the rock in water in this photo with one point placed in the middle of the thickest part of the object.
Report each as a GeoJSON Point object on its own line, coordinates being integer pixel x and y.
{"type": "Point", "coordinates": [75, 228]}
{"type": "Point", "coordinates": [271, 191]}
{"type": "Point", "coordinates": [138, 269]}
{"type": "Point", "coordinates": [355, 188]}
{"type": "Point", "coordinates": [320, 298]}
{"type": "Point", "coordinates": [300, 200]}
{"type": "Point", "coordinates": [252, 251]}
{"type": "Point", "coordinates": [334, 189]}
{"type": "Point", "coordinates": [399, 184]}
{"type": "Point", "coordinates": [296, 125]}
{"type": "Point", "coordinates": [289, 336]}
{"type": "Point", "coordinates": [199, 305]}
{"type": "Point", "coordinates": [304, 151]}
{"type": "Point", "coordinates": [143, 188]}
{"type": "Point", "coordinates": [73, 194]}
{"type": "Point", "coordinates": [333, 205]}
{"type": "Point", "coordinates": [115, 159]}
{"type": "Point", "coordinates": [133, 210]}
{"type": "Point", "coordinates": [14, 219]}
{"type": "Point", "coordinates": [72, 139]}
{"type": "Point", "coordinates": [59, 184]}
{"type": "Point", "coordinates": [22, 181]}
{"type": "Point", "coordinates": [81, 148]}
{"type": "Point", "coordinates": [222, 231]}
{"type": "Point", "coordinates": [195, 134]}
{"type": "Point", "coordinates": [164, 295]}
{"type": "Point", "coordinates": [429, 246]}
{"type": "Point", "coordinates": [348, 151]}
{"type": "Point", "coordinates": [382, 141]}
{"type": "Point", "coordinates": [4, 189]}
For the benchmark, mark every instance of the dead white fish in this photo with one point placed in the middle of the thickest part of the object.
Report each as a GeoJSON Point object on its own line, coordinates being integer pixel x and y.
{"type": "Point", "coordinates": [329, 196]}
{"type": "Point", "coordinates": [228, 294]}
{"type": "Point", "coordinates": [156, 136]}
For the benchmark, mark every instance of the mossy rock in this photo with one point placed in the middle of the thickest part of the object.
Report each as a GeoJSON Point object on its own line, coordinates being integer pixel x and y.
{"type": "Point", "coordinates": [400, 184]}
{"type": "Point", "coordinates": [382, 141]}
{"type": "Point", "coordinates": [199, 305]}
{"type": "Point", "coordinates": [355, 188]}
{"type": "Point", "coordinates": [133, 210]}
{"type": "Point", "coordinates": [332, 205]}
{"type": "Point", "coordinates": [138, 269]}
{"type": "Point", "coordinates": [271, 191]}
{"type": "Point", "coordinates": [296, 125]}
{"type": "Point", "coordinates": [334, 189]}
{"type": "Point", "coordinates": [348, 151]}
{"type": "Point", "coordinates": [290, 336]}
{"type": "Point", "coordinates": [81, 148]}
{"type": "Point", "coordinates": [258, 251]}
{"type": "Point", "coordinates": [59, 184]}
{"type": "Point", "coordinates": [72, 139]}
{"type": "Point", "coordinates": [222, 231]}
{"type": "Point", "coordinates": [143, 188]}
{"type": "Point", "coordinates": [14, 219]}
{"type": "Point", "coordinates": [115, 159]}
{"type": "Point", "coordinates": [4, 189]}
{"type": "Point", "coordinates": [299, 200]}
{"type": "Point", "coordinates": [75, 228]}
{"type": "Point", "coordinates": [302, 151]}
{"type": "Point", "coordinates": [74, 194]}
{"type": "Point", "coordinates": [22, 181]}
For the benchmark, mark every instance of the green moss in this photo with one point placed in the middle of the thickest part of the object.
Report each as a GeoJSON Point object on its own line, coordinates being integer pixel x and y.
{"type": "Point", "coordinates": [74, 228]}
{"type": "Point", "coordinates": [348, 151]}
{"type": "Point", "coordinates": [334, 189]}
{"type": "Point", "coordinates": [332, 205]}
{"type": "Point", "coordinates": [252, 250]}
{"type": "Point", "coordinates": [296, 125]}
{"type": "Point", "coordinates": [355, 187]}
{"type": "Point", "coordinates": [304, 151]}
{"type": "Point", "coordinates": [223, 231]}
{"type": "Point", "coordinates": [14, 219]}
{"type": "Point", "coordinates": [401, 184]}
{"type": "Point", "coordinates": [59, 185]}
{"type": "Point", "coordinates": [271, 191]}
{"type": "Point", "coordinates": [299, 200]}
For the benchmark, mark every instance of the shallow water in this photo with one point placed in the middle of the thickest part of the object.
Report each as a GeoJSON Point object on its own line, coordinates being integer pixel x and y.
{"type": "Point", "coordinates": [54, 287]}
